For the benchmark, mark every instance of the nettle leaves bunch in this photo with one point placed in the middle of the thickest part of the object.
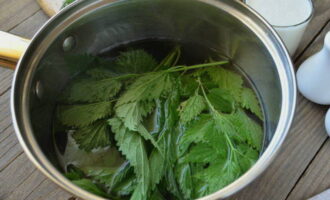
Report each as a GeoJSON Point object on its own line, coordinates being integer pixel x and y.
{"type": "Point", "coordinates": [184, 131]}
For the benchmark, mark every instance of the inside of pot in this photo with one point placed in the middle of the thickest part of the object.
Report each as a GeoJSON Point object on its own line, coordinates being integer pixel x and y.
{"type": "Point", "coordinates": [187, 22]}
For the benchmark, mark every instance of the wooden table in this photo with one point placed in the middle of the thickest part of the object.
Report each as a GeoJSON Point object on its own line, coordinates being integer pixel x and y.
{"type": "Point", "coordinates": [301, 170]}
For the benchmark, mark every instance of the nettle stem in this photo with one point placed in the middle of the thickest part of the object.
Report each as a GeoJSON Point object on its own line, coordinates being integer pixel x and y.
{"type": "Point", "coordinates": [184, 68]}
{"type": "Point", "coordinates": [174, 69]}
{"type": "Point", "coordinates": [215, 112]}
{"type": "Point", "coordinates": [205, 96]}
{"type": "Point", "coordinates": [171, 59]}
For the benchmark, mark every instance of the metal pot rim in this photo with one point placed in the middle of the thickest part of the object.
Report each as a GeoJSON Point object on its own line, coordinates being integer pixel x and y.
{"type": "Point", "coordinates": [23, 128]}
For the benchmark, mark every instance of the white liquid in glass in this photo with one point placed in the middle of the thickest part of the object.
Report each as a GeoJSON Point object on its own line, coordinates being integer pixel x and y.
{"type": "Point", "coordinates": [289, 18]}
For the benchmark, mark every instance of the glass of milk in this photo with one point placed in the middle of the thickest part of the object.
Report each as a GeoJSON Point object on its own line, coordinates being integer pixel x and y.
{"type": "Point", "coordinates": [288, 17]}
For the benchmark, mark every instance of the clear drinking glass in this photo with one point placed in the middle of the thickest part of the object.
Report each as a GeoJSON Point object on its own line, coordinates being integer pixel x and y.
{"type": "Point", "coordinates": [280, 14]}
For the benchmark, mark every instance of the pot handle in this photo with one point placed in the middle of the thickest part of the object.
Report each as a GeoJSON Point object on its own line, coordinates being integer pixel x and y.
{"type": "Point", "coordinates": [11, 49]}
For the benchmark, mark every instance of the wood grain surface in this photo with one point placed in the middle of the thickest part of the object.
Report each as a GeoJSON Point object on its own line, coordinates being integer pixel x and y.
{"type": "Point", "coordinates": [13, 13]}
{"type": "Point", "coordinates": [301, 169]}
{"type": "Point", "coordinates": [316, 178]}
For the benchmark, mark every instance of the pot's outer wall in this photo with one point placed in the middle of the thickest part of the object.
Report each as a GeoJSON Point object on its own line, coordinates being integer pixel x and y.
{"type": "Point", "coordinates": [227, 27]}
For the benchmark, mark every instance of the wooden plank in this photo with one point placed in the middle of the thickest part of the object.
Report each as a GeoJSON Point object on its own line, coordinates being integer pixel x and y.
{"type": "Point", "coordinates": [316, 179]}
{"type": "Point", "coordinates": [27, 186]}
{"type": "Point", "coordinates": [45, 190]}
{"type": "Point", "coordinates": [5, 79]}
{"type": "Point", "coordinates": [320, 18]}
{"type": "Point", "coordinates": [10, 156]}
{"type": "Point", "coordinates": [5, 116]}
{"type": "Point", "coordinates": [302, 144]}
{"type": "Point", "coordinates": [15, 174]}
{"type": "Point", "coordinates": [31, 25]}
{"type": "Point", "coordinates": [8, 142]}
{"type": "Point", "coordinates": [14, 12]}
{"type": "Point", "coordinates": [58, 194]}
{"type": "Point", "coordinates": [9, 146]}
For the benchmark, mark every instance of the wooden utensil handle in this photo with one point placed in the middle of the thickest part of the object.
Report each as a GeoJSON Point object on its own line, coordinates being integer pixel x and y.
{"type": "Point", "coordinates": [11, 49]}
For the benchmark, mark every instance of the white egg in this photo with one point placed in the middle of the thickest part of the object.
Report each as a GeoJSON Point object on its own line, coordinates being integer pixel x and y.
{"type": "Point", "coordinates": [327, 122]}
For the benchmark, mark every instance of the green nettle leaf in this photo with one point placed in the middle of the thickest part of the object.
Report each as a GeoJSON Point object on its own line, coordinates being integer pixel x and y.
{"type": "Point", "coordinates": [221, 100]}
{"type": "Point", "coordinates": [120, 181]}
{"type": "Point", "coordinates": [147, 136]}
{"type": "Point", "coordinates": [201, 153]}
{"type": "Point", "coordinates": [156, 195]}
{"type": "Point", "coordinates": [157, 167]}
{"type": "Point", "coordinates": [191, 108]}
{"type": "Point", "coordinates": [139, 193]}
{"type": "Point", "coordinates": [156, 120]}
{"type": "Point", "coordinates": [248, 157]}
{"type": "Point", "coordinates": [126, 187]}
{"type": "Point", "coordinates": [91, 187]}
{"type": "Point", "coordinates": [201, 188]}
{"type": "Point", "coordinates": [123, 172]}
{"type": "Point", "coordinates": [197, 130]}
{"type": "Point", "coordinates": [90, 91]}
{"type": "Point", "coordinates": [208, 129]}
{"type": "Point", "coordinates": [100, 73]}
{"type": "Point", "coordinates": [135, 61]}
{"type": "Point", "coordinates": [93, 136]}
{"type": "Point", "coordinates": [219, 174]}
{"type": "Point", "coordinates": [224, 125]}
{"type": "Point", "coordinates": [250, 102]}
{"type": "Point", "coordinates": [217, 140]}
{"type": "Point", "coordinates": [184, 179]}
{"type": "Point", "coordinates": [212, 132]}
{"type": "Point", "coordinates": [227, 79]}
{"type": "Point", "coordinates": [247, 128]}
{"type": "Point", "coordinates": [83, 114]}
{"type": "Point", "coordinates": [102, 175]}
{"type": "Point", "coordinates": [133, 113]}
{"type": "Point", "coordinates": [148, 87]}
{"type": "Point", "coordinates": [131, 144]}
{"type": "Point", "coordinates": [189, 85]}
{"type": "Point", "coordinates": [77, 176]}
{"type": "Point", "coordinates": [168, 142]}
{"type": "Point", "coordinates": [169, 134]}
{"type": "Point", "coordinates": [171, 184]}
{"type": "Point", "coordinates": [74, 173]}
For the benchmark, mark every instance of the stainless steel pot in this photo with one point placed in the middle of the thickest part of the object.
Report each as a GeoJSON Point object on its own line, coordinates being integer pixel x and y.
{"type": "Point", "coordinates": [228, 27]}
